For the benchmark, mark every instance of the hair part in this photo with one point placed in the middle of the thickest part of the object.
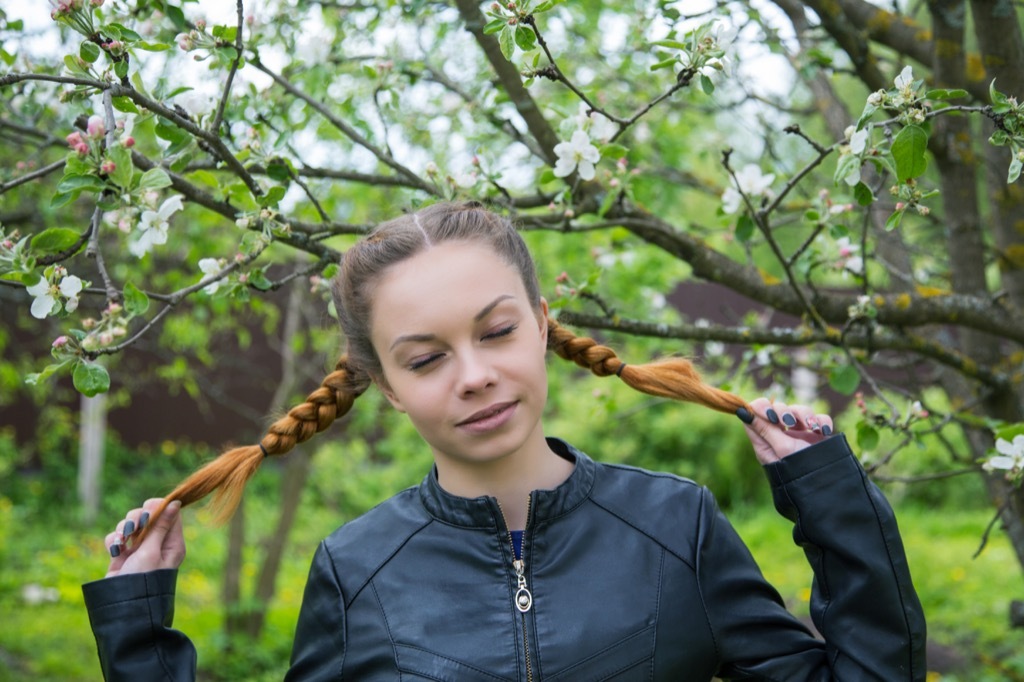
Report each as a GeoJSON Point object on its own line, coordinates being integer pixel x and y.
{"type": "Point", "coordinates": [353, 288]}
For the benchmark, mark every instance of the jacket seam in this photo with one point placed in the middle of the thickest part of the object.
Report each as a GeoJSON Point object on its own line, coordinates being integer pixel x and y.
{"type": "Point", "coordinates": [387, 627]}
{"type": "Point", "coordinates": [700, 583]}
{"type": "Point", "coordinates": [657, 614]}
{"type": "Point", "coordinates": [153, 636]}
{"type": "Point", "coordinates": [643, 532]}
{"type": "Point", "coordinates": [347, 601]}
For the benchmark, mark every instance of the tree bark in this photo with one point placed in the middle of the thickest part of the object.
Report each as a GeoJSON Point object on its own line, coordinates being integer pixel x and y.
{"type": "Point", "coordinates": [91, 436]}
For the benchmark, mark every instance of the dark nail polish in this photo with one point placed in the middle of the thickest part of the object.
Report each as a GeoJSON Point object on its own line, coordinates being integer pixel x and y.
{"type": "Point", "coordinates": [115, 551]}
{"type": "Point", "coordinates": [143, 520]}
{"type": "Point", "coordinates": [789, 420]}
{"type": "Point", "coordinates": [773, 416]}
{"type": "Point", "coordinates": [129, 528]}
{"type": "Point", "coordinates": [745, 416]}
{"type": "Point", "coordinates": [826, 430]}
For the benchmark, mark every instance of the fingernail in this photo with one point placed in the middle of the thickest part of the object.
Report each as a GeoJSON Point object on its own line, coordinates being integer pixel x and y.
{"type": "Point", "coordinates": [745, 416]}
{"type": "Point", "coordinates": [773, 416]}
{"type": "Point", "coordinates": [143, 520]}
{"type": "Point", "coordinates": [115, 551]}
{"type": "Point", "coordinates": [789, 420]}
{"type": "Point", "coordinates": [826, 430]}
{"type": "Point", "coordinates": [129, 528]}
{"type": "Point", "coordinates": [812, 424]}
{"type": "Point", "coordinates": [173, 505]}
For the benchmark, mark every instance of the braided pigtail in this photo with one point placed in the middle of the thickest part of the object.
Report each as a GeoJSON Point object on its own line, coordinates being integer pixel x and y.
{"type": "Point", "coordinates": [227, 475]}
{"type": "Point", "coordinates": [674, 378]}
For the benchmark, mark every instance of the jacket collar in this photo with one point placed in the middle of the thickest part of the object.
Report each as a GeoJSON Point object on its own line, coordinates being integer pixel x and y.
{"type": "Point", "coordinates": [483, 512]}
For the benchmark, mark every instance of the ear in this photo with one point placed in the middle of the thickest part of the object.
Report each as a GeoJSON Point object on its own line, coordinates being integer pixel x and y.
{"type": "Point", "coordinates": [542, 321]}
{"type": "Point", "coordinates": [385, 388]}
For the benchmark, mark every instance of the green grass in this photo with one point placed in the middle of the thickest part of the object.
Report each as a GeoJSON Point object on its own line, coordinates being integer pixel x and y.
{"type": "Point", "coordinates": [966, 600]}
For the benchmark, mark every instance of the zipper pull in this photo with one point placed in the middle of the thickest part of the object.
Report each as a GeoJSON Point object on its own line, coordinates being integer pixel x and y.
{"type": "Point", "coordinates": [524, 600]}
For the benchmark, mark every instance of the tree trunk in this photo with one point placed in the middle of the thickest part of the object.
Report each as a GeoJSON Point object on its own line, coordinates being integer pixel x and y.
{"type": "Point", "coordinates": [91, 436]}
{"type": "Point", "coordinates": [246, 616]}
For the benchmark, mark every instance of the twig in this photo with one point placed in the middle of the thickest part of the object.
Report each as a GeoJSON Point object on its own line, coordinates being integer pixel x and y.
{"type": "Point", "coordinates": [348, 130]}
{"type": "Point", "coordinates": [29, 177]}
{"type": "Point", "coordinates": [93, 251]}
{"type": "Point", "coordinates": [988, 529]}
{"type": "Point", "coordinates": [218, 117]}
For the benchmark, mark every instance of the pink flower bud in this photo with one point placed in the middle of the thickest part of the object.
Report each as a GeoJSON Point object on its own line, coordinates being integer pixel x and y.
{"type": "Point", "coordinates": [108, 167]}
{"type": "Point", "coordinates": [113, 309]}
{"type": "Point", "coordinates": [88, 323]}
{"type": "Point", "coordinates": [21, 165]}
{"type": "Point", "coordinates": [8, 244]}
{"type": "Point", "coordinates": [128, 142]}
{"type": "Point", "coordinates": [243, 278]}
{"type": "Point", "coordinates": [74, 139]}
{"type": "Point", "coordinates": [60, 342]}
{"type": "Point", "coordinates": [900, 205]}
{"type": "Point", "coordinates": [106, 338]}
{"type": "Point", "coordinates": [95, 127]}
{"type": "Point", "coordinates": [82, 148]}
{"type": "Point", "coordinates": [96, 3]}
{"type": "Point", "coordinates": [562, 278]}
{"type": "Point", "coordinates": [239, 257]}
{"type": "Point", "coordinates": [201, 24]}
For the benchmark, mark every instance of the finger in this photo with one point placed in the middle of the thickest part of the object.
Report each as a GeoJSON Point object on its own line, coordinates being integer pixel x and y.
{"type": "Point", "coordinates": [780, 414]}
{"type": "Point", "coordinates": [826, 427]}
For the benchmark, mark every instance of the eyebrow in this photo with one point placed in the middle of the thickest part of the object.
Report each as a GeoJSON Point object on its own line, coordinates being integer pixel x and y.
{"type": "Point", "coordinates": [407, 338]}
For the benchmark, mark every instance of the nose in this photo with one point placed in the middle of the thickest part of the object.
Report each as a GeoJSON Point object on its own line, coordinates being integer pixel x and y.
{"type": "Point", "coordinates": [476, 372]}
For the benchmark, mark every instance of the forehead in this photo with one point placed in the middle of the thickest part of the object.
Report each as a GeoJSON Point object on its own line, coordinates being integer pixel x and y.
{"type": "Point", "coordinates": [442, 284]}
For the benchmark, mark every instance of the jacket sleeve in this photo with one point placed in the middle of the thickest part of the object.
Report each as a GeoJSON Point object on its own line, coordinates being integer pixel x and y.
{"type": "Point", "coordinates": [318, 653]}
{"type": "Point", "coordinates": [862, 599]}
{"type": "Point", "coordinates": [131, 617]}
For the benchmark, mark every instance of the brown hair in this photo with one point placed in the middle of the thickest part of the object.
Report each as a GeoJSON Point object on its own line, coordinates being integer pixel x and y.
{"type": "Point", "coordinates": [361, 267]}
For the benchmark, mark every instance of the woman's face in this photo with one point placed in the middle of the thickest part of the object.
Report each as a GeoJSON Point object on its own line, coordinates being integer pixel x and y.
{"type": "Point", "coordinates": [462, 352]}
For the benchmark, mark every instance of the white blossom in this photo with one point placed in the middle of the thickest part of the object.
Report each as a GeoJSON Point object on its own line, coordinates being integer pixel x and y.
{"type": "Point", "coordinates": [577, 152]}
{"type": "Point", "coordinates": [905, 79]}
{"type": "Point", "coordinates": [848, 258]}
{"type": "Point", "coordinates": [45, 295]}
{"type": "Point", "coordinates": [859, 141]}
{"type": "Point", "coordinates": [153, 226]}
{"type": "Point", "coordinates": [598, 126]}
{"type": "Point", "coordinates": [749, 181]}
{"type": "Point", "coordinates": [210, 267]}
{"type": "Point", "coordinates": [1010, 457]}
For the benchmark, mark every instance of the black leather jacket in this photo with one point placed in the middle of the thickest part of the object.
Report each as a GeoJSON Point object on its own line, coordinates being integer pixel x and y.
{"type": "Point", "coordinates": [633, 576]}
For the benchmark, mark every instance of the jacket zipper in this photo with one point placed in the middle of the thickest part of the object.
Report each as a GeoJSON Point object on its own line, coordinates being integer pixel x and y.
{"type": "Point", "coordinates": [523, 599]}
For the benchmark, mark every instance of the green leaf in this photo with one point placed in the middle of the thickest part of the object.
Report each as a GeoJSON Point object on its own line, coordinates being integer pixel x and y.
{"type": "Point", "coordinates": [943, 93]}
{"type": "Point", "coordinates": [39, 377]}
{"type": "Point", "coordinates": [613, 151]}
{"type": "Point", "coordinates": [259, 280]}
{"type": "Point", "coordinates": [811, 216]}
{"type": "Point", "coordinates": [152, 47]}
{"type": "Point", "coordinates": [674, 44]}
{"type": "Point", "coordinates": [121, 68]}
{"type": "Point", "coordinates": [844, 379]}
{"type": "Point", "coordinates": [89, 51]}
{"type": "Point", "coordinates": [55, 240]}
{"type": "Point", "coordinates": [273, 196]}
{"type": "Point", "coordinates": [168, 131]}
{"type": "Point", "coordinates": [123, 170]}
{"type": "Point", "coordinates": [124, 104]}
{"type": "Point", "coordinates": [908, 152]}
{"type": "Point", "coordinates": [90, 379]}
{"type": "Point", "coordinates": [863, 194]}
{"type": "Point", "coordinates": [279, 170]}
{"type": "Point", "coordinates": [706, 85]}
{"type": "Point", "coordinates": [869, 111]}
{"type": "Point", "coordinates": [63, 198]}
{"type": "Point", "coordinates": [154, 178]}
{"type": "Point", "coordinates": [507, 41]}
{"type": "Point", "coordinates": [123, 32]}
{"type": "Point", "coordinates": [80, 183]}
{"type": "Point", "coordinates": [74, 65]}
{"type": "Point", "coordinates": [526, 39]}
{"type": "Point", "coordinates": [136, 302]}
{"type": "Point", "coordinates": [893, 221]}
{"type": "Point", "coordinates": [744, 228]}
{"type": "Point", "coordinates": [867, 436]}
{"type": "Point", "coordinates": [1014, 171]}
{"type": "Point", "coordinates": [495, 25]}
{"type": "Point", "coordinates": [664, 63]}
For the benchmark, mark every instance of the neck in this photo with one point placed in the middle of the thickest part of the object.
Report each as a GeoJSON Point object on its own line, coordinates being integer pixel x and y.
{"type": "Point", "coordinates": [509, 479]}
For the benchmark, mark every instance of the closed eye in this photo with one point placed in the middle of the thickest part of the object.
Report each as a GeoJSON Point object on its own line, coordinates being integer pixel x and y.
{"type": "Point", "coordinates": [420, 363]}
{"type": "Point", "coordinates": [504, 331]}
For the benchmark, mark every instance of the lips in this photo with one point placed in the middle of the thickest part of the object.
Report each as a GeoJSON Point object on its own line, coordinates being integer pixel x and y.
{"type": "Point", "coordinates": [490, 417]}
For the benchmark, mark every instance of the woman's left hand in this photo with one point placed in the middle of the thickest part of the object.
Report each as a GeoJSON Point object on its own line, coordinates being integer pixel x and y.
{"type": "Point", "coordinates": [779, 430]}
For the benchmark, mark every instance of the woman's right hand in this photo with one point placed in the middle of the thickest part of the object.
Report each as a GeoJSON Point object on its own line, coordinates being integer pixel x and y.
{"type": "Point", "coordinates": [163, 546]}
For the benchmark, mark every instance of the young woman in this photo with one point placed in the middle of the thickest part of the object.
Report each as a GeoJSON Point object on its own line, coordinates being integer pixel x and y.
{"type": "Point", "coordinates": [519, 557]}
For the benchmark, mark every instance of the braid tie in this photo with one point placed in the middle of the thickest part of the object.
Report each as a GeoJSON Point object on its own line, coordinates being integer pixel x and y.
{"type": "Point", "coordinates": [225, 477]}
{"type": "Point", "coordinates": [674, 378]}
